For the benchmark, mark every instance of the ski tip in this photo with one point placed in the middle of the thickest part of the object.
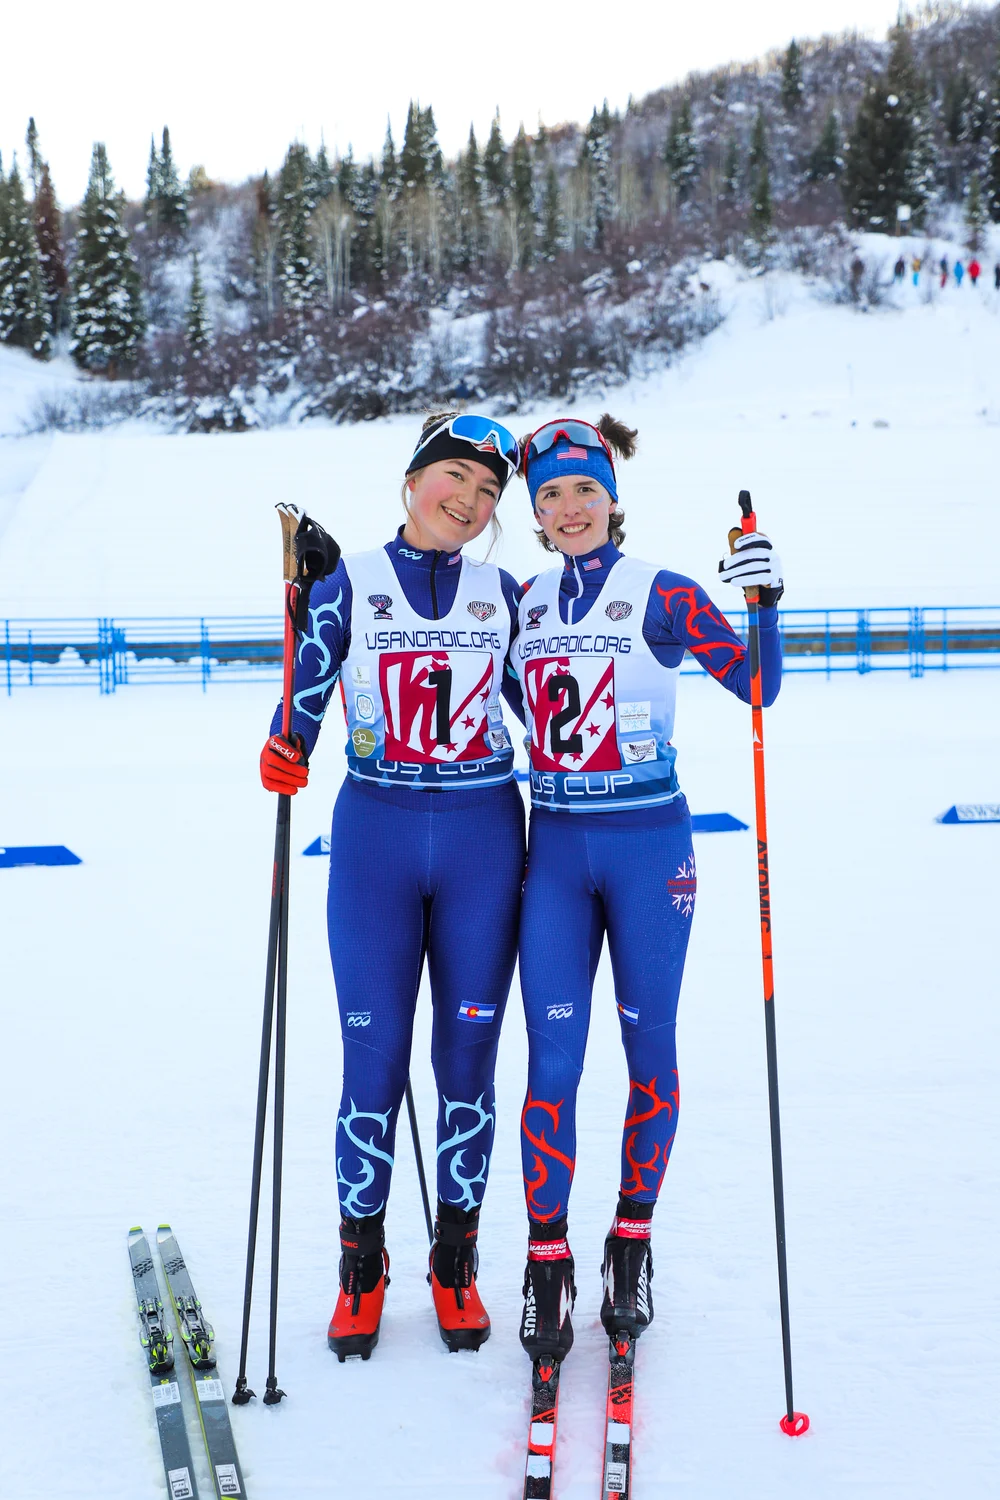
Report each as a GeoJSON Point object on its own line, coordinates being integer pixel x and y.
{"type": "Point", "coordinates": [136, 1229]}
{"type": "Point", "coordinates": [164, 1229]}
{"type": "Point", "coordinates": [795, 1425]}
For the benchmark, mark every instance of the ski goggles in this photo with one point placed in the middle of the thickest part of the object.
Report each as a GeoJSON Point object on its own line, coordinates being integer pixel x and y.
{"type": "Point", "coordinates": [577, 434]}
{"type": "Point", "coordinates": [481, 433]}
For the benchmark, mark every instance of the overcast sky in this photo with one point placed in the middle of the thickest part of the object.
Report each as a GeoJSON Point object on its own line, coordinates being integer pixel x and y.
{"type": "Point", "coordinates": [236, 84]}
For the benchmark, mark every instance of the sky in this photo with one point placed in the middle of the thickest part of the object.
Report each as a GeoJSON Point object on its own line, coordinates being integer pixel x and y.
{"type": "Point", "coordinates": [235, 85]}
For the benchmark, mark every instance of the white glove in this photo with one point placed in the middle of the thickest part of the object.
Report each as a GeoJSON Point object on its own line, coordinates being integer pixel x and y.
{"type": "Point", "coordinates": [754, 564]}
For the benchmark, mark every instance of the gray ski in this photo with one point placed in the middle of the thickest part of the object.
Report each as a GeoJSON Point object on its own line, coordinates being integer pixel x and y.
{"type": "Point", "coordinates": [197, 1334]}
{"type": "Point", "coordinates": [157, 1343]}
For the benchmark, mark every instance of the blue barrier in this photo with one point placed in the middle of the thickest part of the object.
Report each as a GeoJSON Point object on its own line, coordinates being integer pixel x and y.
{"type": "Point", "coordinates": [13, 856]}
{"type": "Point", "coordinates": [109, 653]}
{"type": "Point", "coordinates": [716, 823]}
{"type": "Point", "coordinates": [972, 812]}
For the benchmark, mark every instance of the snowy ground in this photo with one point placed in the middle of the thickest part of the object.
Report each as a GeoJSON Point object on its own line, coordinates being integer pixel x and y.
{"type": "Point", "coordinates": [134, 986]}
{"type": "Point", "coordinates": [134, 981]}
{"type": "Point", "coordinates": [789, 398]}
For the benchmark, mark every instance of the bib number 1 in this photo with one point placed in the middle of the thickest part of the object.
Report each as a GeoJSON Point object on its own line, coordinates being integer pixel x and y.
{"type": "Point", "coordinates": [440, 681]}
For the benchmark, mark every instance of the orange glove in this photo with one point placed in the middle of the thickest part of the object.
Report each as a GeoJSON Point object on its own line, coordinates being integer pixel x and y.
{"type": "Point", "coordinates": [284, 764]}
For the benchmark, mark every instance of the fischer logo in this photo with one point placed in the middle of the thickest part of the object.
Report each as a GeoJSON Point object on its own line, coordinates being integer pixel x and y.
{"type": "Point", "coordinates": [618, 609]}
{"type": "Point", "coordinates": [559, 1012]}
{"type": "Point", "coordinates": [359, 1017]}
{"type": "Point", "coordinates": [405, 552]}
{"type": "Point", "coordinates": [380, 603]}
{"type": "Point", "coordinates": [481, 610]}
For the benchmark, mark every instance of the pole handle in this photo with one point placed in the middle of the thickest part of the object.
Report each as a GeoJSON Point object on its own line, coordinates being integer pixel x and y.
{"type": "Point", "coordinates": [746, 526]}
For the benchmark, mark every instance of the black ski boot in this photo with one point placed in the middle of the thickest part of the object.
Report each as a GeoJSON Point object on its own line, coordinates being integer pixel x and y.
{"type": "Point", "coordinates": [549, 1293]}
{"type": "Point", "coordinates": [364, 1264]}
{"type": "Point", "coordinates": [463, 1321]}
{"type": "Point", "coordinates": [628, 1271]}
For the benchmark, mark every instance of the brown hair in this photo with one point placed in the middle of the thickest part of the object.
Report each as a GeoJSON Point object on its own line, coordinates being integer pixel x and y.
{"type": "Point", "coordinates": [434, 419]}
{"type": "Point", "coordinates": [623, 441]}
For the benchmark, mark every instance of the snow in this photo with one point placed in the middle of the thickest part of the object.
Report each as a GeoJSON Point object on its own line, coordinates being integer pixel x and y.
{"type": "Point", "coordinates": [134, 981]}
{"type": "Point", "coordinates": [788, 398]}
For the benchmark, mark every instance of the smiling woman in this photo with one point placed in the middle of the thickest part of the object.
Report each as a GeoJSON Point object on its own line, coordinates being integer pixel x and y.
{"type": "Point", "coordinates": [418, 638]}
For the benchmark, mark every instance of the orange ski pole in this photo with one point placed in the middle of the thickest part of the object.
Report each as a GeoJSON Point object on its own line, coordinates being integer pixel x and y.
{"type": "Point", "coordinates": [794, 1423]}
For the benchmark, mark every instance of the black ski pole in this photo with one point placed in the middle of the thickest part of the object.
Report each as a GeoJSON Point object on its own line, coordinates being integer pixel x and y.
{"type": "Point", "coordinates": [272, 1394]}
{"type": "Point", "coordinates": [794, 1423]}
{"type": "Point", "coordinates": [412, 1112]}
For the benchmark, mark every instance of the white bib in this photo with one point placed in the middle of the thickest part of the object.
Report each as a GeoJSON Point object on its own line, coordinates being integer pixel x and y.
{"type": "Point", "coordinates": [599, 706]}
{"type": "Point", "coordinates": [422, 696]}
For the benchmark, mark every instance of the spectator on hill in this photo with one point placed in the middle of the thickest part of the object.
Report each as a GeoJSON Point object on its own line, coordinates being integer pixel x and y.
{"type": "Point", "coordinates": [996, 277]}
{"type": "Point", "coordinates": [943, 264]}
{"type": "Point", "coordinates": [915, 264]}
{"type": "Point", "coordinates": [899, 269]}
{"type": "Point", "coordinates": [959, 272]}
{"type": "Point", "coordinates": [974, 270]}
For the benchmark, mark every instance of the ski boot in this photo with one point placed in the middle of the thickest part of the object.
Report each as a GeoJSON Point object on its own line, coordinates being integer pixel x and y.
{"type": "Point", "coordinates": [354, 1327]}
{"type": "Point", "coordinates": [549, 1293]}
{"type": "Point", "coordinates": [628, 1270]}
{"type": "Point", "coordinates": [462, 1319]}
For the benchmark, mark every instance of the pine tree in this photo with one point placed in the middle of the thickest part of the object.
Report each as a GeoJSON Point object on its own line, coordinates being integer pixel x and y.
{"type": "Point", "coordinates": [412, 159]}
{"type": "Point", "coordinates": [51, 256]}
{"type": "Point", "coordinates": [792, 86]}
{"type": "Point", "coordinates": [595, 155]}
{"type": "Point", "coordinates": [522, 200]}
{"type": "Point", "coordinates": [469, 178]}
{"type": "Point", "coordinates": [24, 314]}
{"type": "Point", "coordinates": [265, 249]}
{"type": "Point", "coordinates": [992, 134]}
{"type": "Point", "coordinates": [34, 156]}
{"type": "Point", "coordinates": [757, 154]}
{"type": "Point", "coordinates": [173, 208]}
{"type": "Point", "coordinates": [389, 173]}
{"type": "Point", "coordinates": [825, 160]}
{"type": "Point", "coordinates": [761, 208]}
{"type": "Point", "coordinates": [322, 174]}
{"type": "Point", "coordinates": [956, 105]}
{"type": "Point", "coordinates": [433, 159]}
{"type": "Point", "coordinates": [297, 274]}
{"type": "Point", "coordinates": [198, 330]}
{"type": "Point", "coordinates": [153, 188]}
{"type": "Point", "coordinates": [552, 228]}
{"type": "Point", "coordinates": [730, 184]}
{"type": "Point", "coordinates": [878, 158]}
{"type": "Point", "coordinates": [680, 154]}
{"type": "Point", "coordinates": [975, 214]}
{"type": "Point", "coordinates": [495, 168]}
{"type": "Point", "coordinates": [108, 321]}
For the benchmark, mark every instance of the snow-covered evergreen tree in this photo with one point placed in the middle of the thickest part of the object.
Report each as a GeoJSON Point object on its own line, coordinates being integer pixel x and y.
{"type": "Point", "coordinates": [792, 86]}
{"type": "Point", "coordinates": [680, 154]}
{"type": "Point", "coordinates": [34, 156]}
{"type": "Point", "coordinates": [552, 229]}
{"type": "Point", "coordinates": [730, 180]}
{"type": "Point", "coordinates": [595, 156]}
{"type": "Point", "coordinates": [51, 256]}
{"type": "Point", "coordinates": [495, 167]}
{"type": "Point", "coordinates": [153, 180]}
{"type": "Point", "coordinates": [469, 183]}
{"type": "Point", "coordinates": [107, 318]}
{"type": "Point", "coordinates": [173, 207]}
{"type": "Point", "coordinates": [975, 214]}
{"type": "Point", "coordinates": [825, 160]}
{"type": "Point", "coordinates": [322, 174]}
{"type": "Point", "coordinates": [522, 202]}
{"type": "Point", "coordinates": [24, 313]}
{"type": "Point", "coordinates": [991, 132]}
{"type": "Point", "coordinates": [761, 205]}
{"type": "Point", "coordinates": [877, 163]}
{"type": "Point", "coordinates": [297, 273]}
{"type": "Point", "coordinates": [197, 328]}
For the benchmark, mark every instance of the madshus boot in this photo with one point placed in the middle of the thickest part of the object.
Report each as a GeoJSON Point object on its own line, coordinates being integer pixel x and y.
{"type": "Point", "coordinates": [364, 1264]}
{"type": "Point", "coordinates": [627, 1270]}
{"type": "Point", "coordinates": [549, 1293]}
{"type": "Point", "coordinates": [454, 1260]}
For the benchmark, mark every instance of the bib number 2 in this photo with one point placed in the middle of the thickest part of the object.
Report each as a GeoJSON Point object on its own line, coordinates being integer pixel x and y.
{"type": "Point", "coordinates": [571, 744]}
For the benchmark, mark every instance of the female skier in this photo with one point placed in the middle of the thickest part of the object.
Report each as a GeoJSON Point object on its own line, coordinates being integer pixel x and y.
{"type": "Point", "coordinates": [598, 653]}
{"type": "Point", "coordinates": [426, 853]}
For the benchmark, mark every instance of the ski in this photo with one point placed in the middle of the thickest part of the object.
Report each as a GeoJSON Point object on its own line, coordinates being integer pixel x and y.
{"type": "Point", "coordinates": [157, 1342]}
{"type": "Point", "coordinates": [618, 1439]}
{"type": "Point", "coordinates": [197, 1334]}
{"type": "Point", "coordinates": [542, 1429]}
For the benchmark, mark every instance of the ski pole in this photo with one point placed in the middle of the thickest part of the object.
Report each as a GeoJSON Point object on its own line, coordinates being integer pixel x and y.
{"type": "Point", "coordinates": [276, 968]}
{"type": "Point", "coordinates": [794, 1423]}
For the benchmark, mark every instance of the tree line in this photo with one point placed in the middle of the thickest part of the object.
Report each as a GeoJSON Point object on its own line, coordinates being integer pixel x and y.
{"type": "Point", "coordinates": [832, 130]}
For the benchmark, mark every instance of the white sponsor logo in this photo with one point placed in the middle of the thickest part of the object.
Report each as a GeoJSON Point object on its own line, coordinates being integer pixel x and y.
{"type": "Point", "coordinates": [636, 750]}
{"type": "Point", "coordinates": [642, 1290]}
{"type": "Point", "coordinates": [498, 739]}
{"type": "Point", "coordinates": [360, 676]}
{"type": "Point", "coordinates": [633, 717]}
{"type": "Point", "coordinates": [530, 1311]}
{"type": "Point", "coordinates": [228, 1482]}
{"type": "Point", "coordinates": [559, 1012]}
{"type": "Point", "coordinates": [364, 707]}
{"type": "Point", "coordinates": [615, 1478]}
{"type": "Point", "coordinates": [180, 1484]}
{"type": "Point", "coordinates": [405, 552]}
{"type": "Point", "coordinates": [482, 610]}
{"type": "Point", "coordinates": [359, 1017]}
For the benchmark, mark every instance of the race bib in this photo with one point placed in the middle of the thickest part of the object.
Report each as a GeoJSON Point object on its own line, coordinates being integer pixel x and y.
{"type": "Point", "coordinates": [435, 704]}
{"type": "Point", "coordinates": [572, 713]}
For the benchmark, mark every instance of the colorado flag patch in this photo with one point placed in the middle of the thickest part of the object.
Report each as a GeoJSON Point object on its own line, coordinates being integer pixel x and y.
{"type": "Point", "coordinates": [484, 1013]}
{"type": "Point", "coordinates": [629, 1012]}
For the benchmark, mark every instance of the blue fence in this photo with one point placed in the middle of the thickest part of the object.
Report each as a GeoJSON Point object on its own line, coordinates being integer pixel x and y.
{"type": "Point", "coordinates": [113, 653]}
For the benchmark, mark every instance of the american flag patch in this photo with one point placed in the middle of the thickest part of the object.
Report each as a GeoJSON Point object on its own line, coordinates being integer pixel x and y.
{"type": "Point", "coordinates": [471, 1012]}
{"type": "Point", "coordinates": [456, 559]}
{"type": "Point", "coordinates": [595, 562]}
{"type": "Point", "coordinates": [630, 1012]}
{"type": "Point", "coordinates": [571, 453]}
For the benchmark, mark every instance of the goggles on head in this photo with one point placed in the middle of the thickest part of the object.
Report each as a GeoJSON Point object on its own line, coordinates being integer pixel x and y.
{"type": "Point", "coordinates": [482, 433]}
{"type": "Point", "coordinates": [577, 434]}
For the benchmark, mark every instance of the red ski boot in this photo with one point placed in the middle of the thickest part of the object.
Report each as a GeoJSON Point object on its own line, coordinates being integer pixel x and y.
{"type": "Point", "coordinates": [354, 1327]}
{"type": "Point", "coordinates": [462, 1319]}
